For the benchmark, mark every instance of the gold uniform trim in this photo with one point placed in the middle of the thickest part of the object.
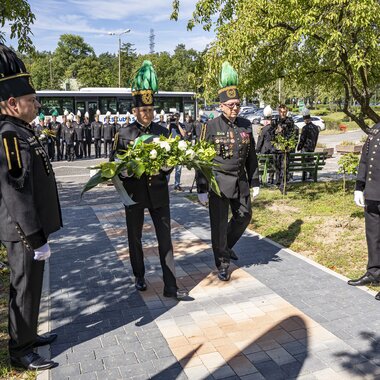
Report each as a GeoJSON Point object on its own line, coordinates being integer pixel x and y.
{"type": "Point", "coordinates": [7, 154]}
{"type": "Point", "coordinates": [17, 152]}
{"type": "Point", "coordinates": [15, 76]}
{"type": "Point", "coordinates": [229, 88]}
{"type": "Point", "coordinates": [203, 132]}
{"type": "Point", "coordinates": [116, 141]}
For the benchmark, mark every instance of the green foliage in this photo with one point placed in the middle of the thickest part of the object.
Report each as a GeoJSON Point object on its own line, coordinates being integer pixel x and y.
{"type": "Point", "coordinates": [285, 144]}
{"type": "Point", "coordinates": [19, 15]}
{"type": "Point", "coordinates": [348, 165]}
{"type": "Point", "coordinates": [330, 46]}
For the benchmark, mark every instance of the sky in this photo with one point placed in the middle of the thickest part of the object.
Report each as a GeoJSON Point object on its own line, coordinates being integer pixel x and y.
{"type": "Point", "coordinates": [94, 19]}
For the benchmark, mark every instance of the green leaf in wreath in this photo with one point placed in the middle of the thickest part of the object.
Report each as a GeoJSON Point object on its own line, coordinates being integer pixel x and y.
{"type": "Point", "coordinates": [108, 169]}
{"type": "Point", "coordinates": [93, 181]}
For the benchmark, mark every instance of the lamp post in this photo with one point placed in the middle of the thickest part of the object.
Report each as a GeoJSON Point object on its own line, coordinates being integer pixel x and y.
{"type": "Point", "coordinates": [51, 74]}
{"type": "Point", "coordinates": [119, 35]}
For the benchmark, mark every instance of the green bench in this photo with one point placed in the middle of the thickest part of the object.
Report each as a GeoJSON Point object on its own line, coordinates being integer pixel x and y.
{"type": "Point", "coordinates": [298, 162]}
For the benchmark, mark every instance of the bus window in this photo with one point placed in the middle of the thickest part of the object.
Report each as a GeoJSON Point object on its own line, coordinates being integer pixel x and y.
{"type": "Point", "coordinates": [124, 106]}
{"type": "Point", "coordinates": [67, 104]}
{"type": "Point", "coordinates": [107, 104]}
{"type": "Point", "coordinates": [49, 104]}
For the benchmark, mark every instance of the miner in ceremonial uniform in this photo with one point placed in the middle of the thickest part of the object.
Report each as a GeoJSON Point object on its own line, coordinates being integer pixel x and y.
{"type": "Point", "coordinates": [79, 135]}
{"type": "Point", "coordinates": [309, 138]}
{"type": "Point", "coordinates": [149, 192]}
{"type": "Point", "coordinates": [264, 141]}
{"type": "Point", "coordinates": [116, 124]}
{"type": "Point", "coordinates": [56, 129]}
{"type": "Point", "coordinates": [29, 209]}
{"type": "Point", "coordinates": [70, 137]}
{"type": "Point", "coordinates": [367, 195]}
{"type": "Point", "coordinates": [96, 133]}
{"type": "Point", "coordinates": [108, 134]}
{"type": "Point", "coordinates": [284, 127]}
{"type": "Point", "coordinates": [63, 150]}
{"type": "Point", "coordinates": [236, 173]}
{"type": "Point", "coordinates": [87, 137]}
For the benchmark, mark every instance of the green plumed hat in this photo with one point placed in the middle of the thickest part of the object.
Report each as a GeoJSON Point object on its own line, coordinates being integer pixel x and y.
{"type": "Point", "coordinates": [41, 116]}
{"type": "Point", "coordinates": [54, 113]}
{"type": "Point", "coordinates": [144, 85]}
{"type": "Point", "coordinates": [228, 82]}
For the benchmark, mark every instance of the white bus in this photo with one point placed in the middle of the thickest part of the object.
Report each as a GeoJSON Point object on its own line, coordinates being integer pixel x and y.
{"type": "Point", "coordinates": [111, 99]}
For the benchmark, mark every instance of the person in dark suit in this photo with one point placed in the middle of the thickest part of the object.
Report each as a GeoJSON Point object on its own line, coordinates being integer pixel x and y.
{"type": "Point", "coordinates": [79, 135]}
{"type": "Point", "coordinates": [367, 195]}
{"type": "Point", "coordinates": [264, 141]}
{"type": "Point", "coordinates": [108, 134]}
{"type": "Point", "coordinates": [29, 210]}
{"type": "Point", "coordinates": [87, 136]}
{"type": "Point", "coordinates": [149, 192]}
{"type": "Point", "coordinates": [56, 128]}
{"type": "Point", "coordinates": [96, 133]}
{"type": "Point", "coordinates": [236, 173]}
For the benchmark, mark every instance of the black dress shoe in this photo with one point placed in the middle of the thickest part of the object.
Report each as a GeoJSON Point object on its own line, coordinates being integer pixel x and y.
{"type": "Point", "coordinates": [32, 361]}
{"type": "Point", "coordinates": [44, 340]}
{"type": "Point", "coordinates": [179, 294]}
{"type": "Point", "coordinates": [140, 284]}
{"type": "Point", "coordinates": [233, 255]}
{"type": "Point", "coordinates": [366, 279]}
{"type": "Point", "coordinates": [223, 274]}
{"type": "Point", "coordinates": [377, 297]}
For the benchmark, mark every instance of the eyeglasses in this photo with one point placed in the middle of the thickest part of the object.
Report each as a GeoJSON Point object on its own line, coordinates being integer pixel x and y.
{"type": "Point", "coordinates": [232, 105]}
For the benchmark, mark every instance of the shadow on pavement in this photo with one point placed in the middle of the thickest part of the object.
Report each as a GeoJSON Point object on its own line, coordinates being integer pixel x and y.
{"type": "Point", "coordinates": [279, 364]}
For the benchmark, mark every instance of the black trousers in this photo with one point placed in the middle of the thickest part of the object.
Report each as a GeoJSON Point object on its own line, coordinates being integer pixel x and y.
{"type": "Point", "coordinates": [63, 150]}
{"type": "Point", "coordinates": [225, 233]}
{"type": "Point", "coordinates": [79, 149]}
{"type": "Point", "coordinates": [107, 147]}
{"type": "Point", "coordinates": [97, 144]}
{"type": "Point", "coordinates": [57, 150]}
{"type": "Point", "coordinates": [161, 221]}
{"type": "Point", "coordinates": [70, 152]}
{"type": "Point", "coordinates": [280, 168]}
{"type": "Point", "coordinates": [372, 229]}
{"type": "Point", "coordinates": [87, 148]}
{"type": "Point", "coordinates": [24, 297]}
{"type": "Point", "coordinates": [50, 148]}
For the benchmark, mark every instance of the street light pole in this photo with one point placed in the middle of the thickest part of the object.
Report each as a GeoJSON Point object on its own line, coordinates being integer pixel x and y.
{"type": "Point", "coordinates": [119, 35]}
{"type": "Point", "coordinates": [51, 75]}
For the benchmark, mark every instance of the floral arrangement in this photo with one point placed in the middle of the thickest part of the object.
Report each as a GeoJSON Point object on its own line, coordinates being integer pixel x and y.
{"type": "Point", "coordinates": [47, 133]}
{"type": "Point", "coordinates": [150, 154]}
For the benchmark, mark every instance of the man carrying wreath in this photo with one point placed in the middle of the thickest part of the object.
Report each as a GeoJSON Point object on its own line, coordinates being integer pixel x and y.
{"type": "Point", "coordinates": [236, 173]}
{"type": "Point", "coordinates": [149, 192]}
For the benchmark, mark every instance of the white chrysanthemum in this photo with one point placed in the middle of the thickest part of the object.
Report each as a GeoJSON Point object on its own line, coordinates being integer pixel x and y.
{"type": "Point", "coordinates": [153, 154]}
{"type": "Point", "coordinates": [182, 145]}
{"type": "Point", "coordinates": [156, 140]}
{"type": "Point", "coordinates": [190, 153]}
{"type": "Point", "coordinates": [165, 145]}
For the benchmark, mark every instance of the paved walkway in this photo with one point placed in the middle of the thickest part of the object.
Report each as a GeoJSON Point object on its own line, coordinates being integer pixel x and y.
{"type": "Point", "coordinates": [281, 316]}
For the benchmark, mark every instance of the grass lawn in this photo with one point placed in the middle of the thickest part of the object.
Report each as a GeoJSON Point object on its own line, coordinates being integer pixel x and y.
{"type": "Point", "coordinates": [316, 220]}
{"type": "Point", "coordinates": [7, 372]}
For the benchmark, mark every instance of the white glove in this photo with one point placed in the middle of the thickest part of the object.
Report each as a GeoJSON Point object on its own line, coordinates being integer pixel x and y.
{"type": "Point", "coordinates": [124, 174]}
{"type": "Point", "coordinates": [359, 198]}
{"type": "Point", "coordinates": [203, 198]}
{"type": "Point", "coordinates": [75, 144]}
{"type": "Point", "coordinates": [255, 191]}
{"type": "Point", "coordinates": [42, 253]}
{"type": "Point", "coordinates": [93, 139]}
{"type": "Point", "coordinates": [166, 168]}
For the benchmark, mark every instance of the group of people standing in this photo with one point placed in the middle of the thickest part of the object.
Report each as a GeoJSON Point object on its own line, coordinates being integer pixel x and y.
{"type": "Point", "coordinates": [273, 129]}
{"type": "Point", "coordinates": [73, 138]}
{"type": "Point", "coordinates": [30, 208]}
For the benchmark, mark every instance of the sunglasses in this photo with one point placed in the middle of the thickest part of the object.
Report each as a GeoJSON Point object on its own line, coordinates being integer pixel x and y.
{"type": "Point", "coordinates": [232, 105]}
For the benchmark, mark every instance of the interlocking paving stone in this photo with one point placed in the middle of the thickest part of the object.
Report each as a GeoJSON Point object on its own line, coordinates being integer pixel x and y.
{"type": "Point", "coordinates": [280, 317]}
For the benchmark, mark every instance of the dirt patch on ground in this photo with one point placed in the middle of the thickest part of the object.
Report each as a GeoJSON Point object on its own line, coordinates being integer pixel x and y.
{"type": "Point", "coordinates": [283, 209]}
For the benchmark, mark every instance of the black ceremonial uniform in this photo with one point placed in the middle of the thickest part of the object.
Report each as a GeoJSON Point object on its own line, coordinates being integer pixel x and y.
{"type": "Point", "coordinates": [79, 134]}
{"type": "Point", "coordinates": [264, 141]}
{"type": "Point", "coordinates": [286, 128]}
{"type": "Point", "coordinates": [87, 139]}
{"type": "Point", "coordinates": [108, 134]}
{"type": "Point", "coordinates": [70, 138]}
{"type": "Point", "coordinates": [368, 181]}
{"type": "Point", "coordinates": [56, 128]}
{"type": "Point", "coordinates": [151, 193]}
{"type": "Point", "coordinates": [200, 179]}
{"type": "Point", "coordinates": [309, 138]}
{"type": "Point", "coordinates": [236, 174]}
{"type": "Point", "coordinates": [29, 213]}
{"type": "Point", "coordinates": [116, 127]}
{"type": "Point", "coordinates": [96, 133]}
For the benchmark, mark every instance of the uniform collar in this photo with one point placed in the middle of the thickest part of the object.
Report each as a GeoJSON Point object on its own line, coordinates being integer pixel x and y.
{"type": "Point", "coordinates": [16, 120]}
{"type": "Point", "coordinates": [143, 127]}
{"type": "Point", "coordinates": [228, 121]}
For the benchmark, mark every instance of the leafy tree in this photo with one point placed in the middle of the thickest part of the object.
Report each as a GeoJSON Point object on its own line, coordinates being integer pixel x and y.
{"type": "Point", "coordinates": [348, 165]}
{"type": "Point", "coordinates": [128, 59]}
{"type": "Point", "coordinates": [69, 51]}
{"type": "Point", "coordinates": [330, 44]}
{"type": "Point", "coordinates": [91, 73]}
{"type": "Point", "coordinates": [39, 68]}
{"type": "Point", "coordinates": [19, 15]}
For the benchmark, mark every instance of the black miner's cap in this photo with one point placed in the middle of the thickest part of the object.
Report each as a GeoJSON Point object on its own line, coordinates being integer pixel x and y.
{"type": "Point", "coordinates": [14, 79]}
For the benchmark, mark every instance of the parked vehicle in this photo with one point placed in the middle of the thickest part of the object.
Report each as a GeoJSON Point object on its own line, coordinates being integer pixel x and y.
{"type": "Point", "coordinates": [259, 115]}
{"type": "Point", "coordinates": [317, 120]}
